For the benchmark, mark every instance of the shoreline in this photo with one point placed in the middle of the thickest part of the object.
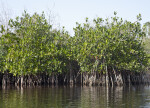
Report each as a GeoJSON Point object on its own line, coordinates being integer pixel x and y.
{"type": "Point", "coordinates": [83, 79]}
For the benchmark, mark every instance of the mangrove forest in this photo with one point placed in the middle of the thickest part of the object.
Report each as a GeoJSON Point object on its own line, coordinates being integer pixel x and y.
{"type": "Point", "coordinates": [107, 52]}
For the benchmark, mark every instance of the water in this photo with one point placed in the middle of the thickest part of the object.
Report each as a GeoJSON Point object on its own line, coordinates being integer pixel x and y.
{"type": "Point", "coordinates": [75, 97]}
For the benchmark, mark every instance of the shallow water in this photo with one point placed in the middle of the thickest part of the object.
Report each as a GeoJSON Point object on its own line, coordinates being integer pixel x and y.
{"type": "Point", "coordinates": [75, 97]}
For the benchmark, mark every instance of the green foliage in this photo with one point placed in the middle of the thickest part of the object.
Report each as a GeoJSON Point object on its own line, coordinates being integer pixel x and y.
{"type": "Point", "coordinates": [146, 40]}
{"type": "Point", "coordinates": [29, 46]}
{"type": "Point", "coordinates": [33, 46]}
{"type": "Point", "coordinates": [115, 43]}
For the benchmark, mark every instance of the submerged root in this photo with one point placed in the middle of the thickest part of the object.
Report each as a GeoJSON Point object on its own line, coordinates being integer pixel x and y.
{"type": "Point", "coordinates": [113, 78]}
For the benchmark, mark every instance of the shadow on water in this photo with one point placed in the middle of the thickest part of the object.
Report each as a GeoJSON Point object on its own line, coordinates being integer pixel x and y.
{"type": "Point", "coordinates": [74, 97]}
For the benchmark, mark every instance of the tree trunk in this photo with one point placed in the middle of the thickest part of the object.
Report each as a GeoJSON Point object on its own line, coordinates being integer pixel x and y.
{"type": "Point", "coordinates": [71, 75]}
{"type": "Point", "coordinates": [22, 80]}
{"type": "Point", "coordinates": [107, 77]}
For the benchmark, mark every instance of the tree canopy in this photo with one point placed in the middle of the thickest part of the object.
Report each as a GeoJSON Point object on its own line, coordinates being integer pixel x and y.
{"type": "Point", "coordinates": [111, 43]}
{"type": "Point", "coordinates": [30, 46]}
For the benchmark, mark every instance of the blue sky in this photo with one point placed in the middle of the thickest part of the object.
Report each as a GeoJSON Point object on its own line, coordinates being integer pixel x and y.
{"type": "Point", "coordinates": [68, 12]}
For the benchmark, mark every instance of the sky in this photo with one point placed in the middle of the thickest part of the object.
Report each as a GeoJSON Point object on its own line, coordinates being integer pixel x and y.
{"type": "Point", "coordinates": [68, 12]}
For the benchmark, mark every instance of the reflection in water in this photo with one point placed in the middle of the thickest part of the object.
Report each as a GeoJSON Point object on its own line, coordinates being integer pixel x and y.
{"type": "Point", "coordinates": [74, 97]}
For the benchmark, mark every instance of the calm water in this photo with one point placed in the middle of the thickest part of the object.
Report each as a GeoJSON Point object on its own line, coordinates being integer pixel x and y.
{"type": "Point", "coordinates": [75, 97]}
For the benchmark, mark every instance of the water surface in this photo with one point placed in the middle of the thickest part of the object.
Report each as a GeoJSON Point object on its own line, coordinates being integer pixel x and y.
{"type": "Point", "coordinates": [75, 97]}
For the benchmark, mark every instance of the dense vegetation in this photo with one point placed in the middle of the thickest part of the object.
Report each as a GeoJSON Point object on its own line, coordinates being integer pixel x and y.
{"type": "Point", "coordinates": [105, 49]}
